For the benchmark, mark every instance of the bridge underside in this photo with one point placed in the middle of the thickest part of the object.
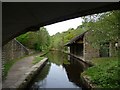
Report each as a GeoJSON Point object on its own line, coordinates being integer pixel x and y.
{"type": "Point", "coordinates": [20, 17]}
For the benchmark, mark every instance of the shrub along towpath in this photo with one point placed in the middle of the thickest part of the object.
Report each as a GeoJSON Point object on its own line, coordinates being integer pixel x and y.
{"type": "Point", "coordinates": [21, 70]}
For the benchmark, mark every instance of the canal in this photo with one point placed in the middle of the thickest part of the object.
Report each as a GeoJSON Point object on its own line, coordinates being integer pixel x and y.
{"type": "Point", "coordinates": [61, 71]}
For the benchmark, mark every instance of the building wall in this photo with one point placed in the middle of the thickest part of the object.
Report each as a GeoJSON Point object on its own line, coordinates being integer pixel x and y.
{"type": "Point", "coordinates": [12, 50]}
{"type": "Point", "coordinates": [89, 51]}
{"type": "Point", "coordinates": [113, 49]}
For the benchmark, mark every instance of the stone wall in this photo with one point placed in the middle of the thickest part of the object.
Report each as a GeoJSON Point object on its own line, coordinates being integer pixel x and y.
{"type": "Point", "coordinates": [89, 51]}
{"type": "Point", "coordinates": [12, 50]}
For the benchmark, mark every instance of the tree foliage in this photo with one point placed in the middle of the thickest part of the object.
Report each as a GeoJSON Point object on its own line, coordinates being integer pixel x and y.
{"type": "Point", "coordinates": [38, 40]}
{"type": "Point", "coordinates": [60, 39]}
{"type": "Point", "coordinates": [104, 27]}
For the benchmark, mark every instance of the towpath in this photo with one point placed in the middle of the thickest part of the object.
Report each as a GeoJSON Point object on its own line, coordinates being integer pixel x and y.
{"type": "Point", "coordinates": [18, 70]}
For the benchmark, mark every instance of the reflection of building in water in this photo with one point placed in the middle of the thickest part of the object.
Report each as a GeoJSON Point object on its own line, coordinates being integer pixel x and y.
{"type": "Point", "coordinates": [74, 70]}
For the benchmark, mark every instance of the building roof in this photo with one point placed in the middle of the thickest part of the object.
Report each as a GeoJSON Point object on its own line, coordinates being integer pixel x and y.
{"type": "Point", "coordinates": [73, 40]}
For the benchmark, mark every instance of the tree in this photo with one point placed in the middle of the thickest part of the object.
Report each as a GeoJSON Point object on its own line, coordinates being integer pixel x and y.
{"type": "Point", "coordinates": [60, 39]}
{"type": "Point", "coordinates": [104, 27]}
{"type": "Point", "coordinates": [38, 40]}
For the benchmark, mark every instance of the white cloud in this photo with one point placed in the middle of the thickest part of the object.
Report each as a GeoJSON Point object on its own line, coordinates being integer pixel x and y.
{"type": "Point", "coordinates": [64, 25]}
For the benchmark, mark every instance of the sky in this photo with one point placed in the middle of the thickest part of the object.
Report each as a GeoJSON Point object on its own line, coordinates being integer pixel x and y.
{"type": "Point", "coordinates": [64, 25]}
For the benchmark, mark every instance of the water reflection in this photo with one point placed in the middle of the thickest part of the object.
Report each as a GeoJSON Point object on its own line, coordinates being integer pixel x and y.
{"type": "Point", "coordinates": [74, 70]}
{"type": "Point", "coordinates": [41, 77]}
{"type": "Point", "coordinates": [57, 58]}
{"type": "Point", "coordinates": [62, 71]}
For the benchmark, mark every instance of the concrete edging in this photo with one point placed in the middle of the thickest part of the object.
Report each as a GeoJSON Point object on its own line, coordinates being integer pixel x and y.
{"type": "Point", "coordinates": [86, 81]}
{"type": "Point", "coordinates": [81, 59]}
{"type": "Point", "coordinates": [27, 77]}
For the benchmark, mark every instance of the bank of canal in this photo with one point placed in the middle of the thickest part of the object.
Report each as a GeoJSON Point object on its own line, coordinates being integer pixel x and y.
{"type": "Point", "coordinates": [61, 71]}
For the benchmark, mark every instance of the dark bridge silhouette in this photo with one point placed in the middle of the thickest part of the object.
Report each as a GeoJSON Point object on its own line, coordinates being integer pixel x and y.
{"type": "Point", "coordinates": [20, 17]}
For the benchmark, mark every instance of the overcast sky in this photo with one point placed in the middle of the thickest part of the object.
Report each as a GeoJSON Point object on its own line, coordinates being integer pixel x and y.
{"type": "Point", "coordinates": [63, 26]}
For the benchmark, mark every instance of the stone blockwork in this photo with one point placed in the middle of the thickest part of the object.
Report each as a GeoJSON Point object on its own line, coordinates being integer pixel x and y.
{"type": "Point", "coordinates": [89, 51]}
{"type": "Point", "coordinates": [12, 50]}
{"type": "Point", "coordinates": [81, 47]}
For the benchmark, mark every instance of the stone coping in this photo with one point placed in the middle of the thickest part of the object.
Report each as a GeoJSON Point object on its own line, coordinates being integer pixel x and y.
{"type": "Point", "coordinates": [86, 81]}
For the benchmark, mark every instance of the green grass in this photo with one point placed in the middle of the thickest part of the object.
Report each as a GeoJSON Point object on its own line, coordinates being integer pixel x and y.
{"type": "Point", "coordinates": [104, 73]}
{"type": "Point", "coordinates": [8, 65]}
{"type": "Point", "coordinates": [37, 59]}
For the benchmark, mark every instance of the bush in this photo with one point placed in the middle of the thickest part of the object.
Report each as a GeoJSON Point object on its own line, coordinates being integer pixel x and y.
{"type": "Point", "coordinates": [104, 73]}
{"type": "Point", "coordinates": [37, 59]}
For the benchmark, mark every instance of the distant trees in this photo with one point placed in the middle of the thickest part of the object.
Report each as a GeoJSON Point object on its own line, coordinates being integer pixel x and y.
{"type": "Point", "coordinates": [43, 39]}
{"type": "Point", "coordinates": [60, 39]}
{"type": "Point", "coordinates": [38, 40]}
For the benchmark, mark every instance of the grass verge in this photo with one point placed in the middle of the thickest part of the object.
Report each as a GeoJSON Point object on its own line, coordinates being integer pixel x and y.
{"type": "Point", "coordinates": [8, 65]}
{"type": "Point", "coordinates": [37, 59]}
{"type": "Point", "coordinates": [104, 73]}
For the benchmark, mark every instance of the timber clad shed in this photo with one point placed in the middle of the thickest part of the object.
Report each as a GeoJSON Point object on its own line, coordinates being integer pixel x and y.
{"type": "Point", "coordinates": [81, 48]}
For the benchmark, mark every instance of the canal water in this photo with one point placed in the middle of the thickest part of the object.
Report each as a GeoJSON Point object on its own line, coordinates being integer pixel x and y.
{"type": "Point", "coordinates": [61, 71]}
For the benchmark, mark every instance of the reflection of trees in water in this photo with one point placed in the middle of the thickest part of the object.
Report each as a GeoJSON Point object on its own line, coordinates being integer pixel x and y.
{"type": "Point", "coordinates": [44, 72]}
{"type": "Point", "coordinates": [40, 79]}
{"type": "Point", "coordinates": [72, 66]}
{"type": "Point", "coordinates": [74, 70]}
{"type": "Point", "coordinates": [57, 57]}
{"type": "Point", "coordinates": [39, 85]}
